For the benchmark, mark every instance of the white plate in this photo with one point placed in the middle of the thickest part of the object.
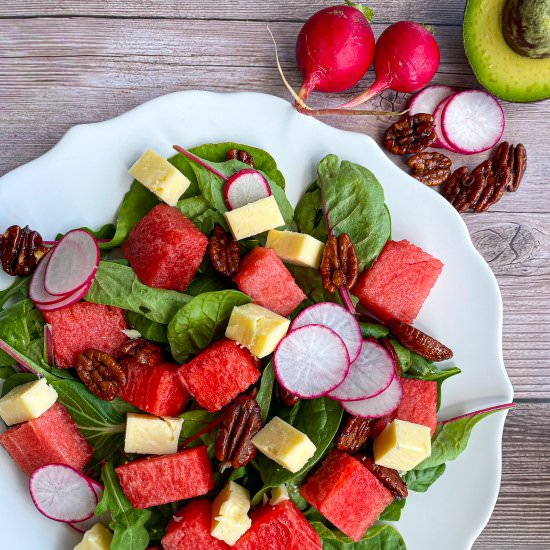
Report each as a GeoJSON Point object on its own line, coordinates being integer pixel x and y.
{"type": "Point", "coordinates": [81, 181]}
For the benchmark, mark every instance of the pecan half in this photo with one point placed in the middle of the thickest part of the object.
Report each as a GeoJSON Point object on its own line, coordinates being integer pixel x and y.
{"type": "Point", "coordinates": [240, 154]}
{"type": "Point", "coordinates": [101, 373]}
{"type": "Point", "coordinates": [354, 433]}
{"type": "Point", "coordinates": [339, 266]}
{"type": "Point", "coordinates": [143, 351]}
{"type": "Point", "coordinates": [224, 252]}
{"type": "Point", "coordinates": [419, 342]}
{"type": "Point", "coordinates": [387, 476]}
{"type": "Point", "coordinates": [288, 399]}
{"type": "Point", "coordinates": [430, 168]}
{"type": "Point", "coordinates": [410, 134]}
{"type": "Point", "coordinates": [518, 165]}
{"type": "Point", "coordinates": [242, 420]}
{"type": "Point", "coordinates": [20, 250]}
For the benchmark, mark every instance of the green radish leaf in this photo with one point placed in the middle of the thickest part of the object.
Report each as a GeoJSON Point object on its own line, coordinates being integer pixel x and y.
{"type": "Point", "coordinates": [156, 332]}
{"type": "Point", "coordinates": [265, 392]}
{"type": "Point", "coordinates": [393, 511]}
{"type": "Point", "coordinates": [378, 537]}
{"type": "Point", "coordinates": [365, 10]}
{"type": "Point", "coordinates": [421, 480]}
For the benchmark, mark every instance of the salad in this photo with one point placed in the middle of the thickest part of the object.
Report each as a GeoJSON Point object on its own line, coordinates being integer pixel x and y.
{"type": "Point", "coordinates": [219, 369]}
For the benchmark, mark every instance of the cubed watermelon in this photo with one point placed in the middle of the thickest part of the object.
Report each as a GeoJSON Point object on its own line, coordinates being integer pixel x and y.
{"type": "Point", "coordinates": [85, 325]}
{"type": "Point", "coordinates": [347, 494]}
{"type": "Point", "coordinates": [219, 373]}
{"type": "Point", "coordinates": [189, 529]}
{"type": "Point", "coordinates": [52, 438]}
{"type": "Point", "coordinates": [263, 276]}
{"type": "Point", "coordinates": [419, 402]}
{"type": "Point", "coordinates": [158, 390]}
{"type": "Point", "coordinates": [162, 479]}
{"type": "Point", "coordinates": [165, 249]}
{"type": "Point", "coordinates": [279, 527]}
{"type": "Point", "coordinates": [399, 281]}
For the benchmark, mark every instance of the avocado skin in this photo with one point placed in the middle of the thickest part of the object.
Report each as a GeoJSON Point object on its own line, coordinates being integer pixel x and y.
{"type": "Point", "coordinates": [526, 27]}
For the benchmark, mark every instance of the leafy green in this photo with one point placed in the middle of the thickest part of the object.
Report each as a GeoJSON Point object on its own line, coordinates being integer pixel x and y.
{"type": "Point", "coordinates": [373, 330]}
{"type": "Point", "coordinates": [194, 422]}
{"type": "Point", "coordinates": [19, 287]}
{"type": "Point", "coordinates": [421, 480]}
{"type": "Point", "coordinates": [309, 280]}
{"type": "Point", "coordinates": [309, 214]}
{"type": "Point", "coordinates": [157, 332]}
{"type": "Point", "coordinates": [6, 372]}
{"type": "Point", "coordinates": [199, 211]}
{"type": "Point", "coordinates": [378, 537]}
{"type": "Point", "coordinates": [207, 281]}
{"type": "Point", "coordinates": [105, 232]}
{"type": "Point", "coordinates": [16, 379]}
{"type": "Point", "coordinates": [393, 511]}
{"type": "Point", "coordinates": [365, 10]}
{"type": "Point", "coordinates": [265, 391]}
{"type": "Point", "coordinates": [128, 524]}
{"type": "Point", "coordinates": [201, 321]}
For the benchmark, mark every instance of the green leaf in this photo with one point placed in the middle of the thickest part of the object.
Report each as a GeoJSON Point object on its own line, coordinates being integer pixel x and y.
{"type": "Point", "coordinates": [365, 10]}
{"type": "Point", "coordinates": [373, 330]}
{"type": "Point", "coordinates": [18, 288]}
{"type": "Point", "coordinates": [201, 214]}
{"type": "Point", "coordinates": [157, 332]}
{"type": "Point", "coordinates": [128, 524]}
{"type": "Point", "coordinates": [201, 321]}
{"type": "Point", "coordinates": [195, 421]}
{"type": "Point", "coordinates": [16, 379]}
{"type": "Point", "coordinates": [6, 372]}
{"type": "Point", "coordinates": [309, 280]}
{"type": "Point", "coordinates": [207, 282]}
{"type": "Point", "coordinates": [265, 392]}
{"type": "Point", "coordinates": [105, 232]}
{"type": "Point", "coordinates": [421, 480]}
{"type": "Point", "coordinates": [378, 537]}
{"type": "Point", "coordinates": [309, 214]}
{"type": "Point", "coordinates": [393, 511]}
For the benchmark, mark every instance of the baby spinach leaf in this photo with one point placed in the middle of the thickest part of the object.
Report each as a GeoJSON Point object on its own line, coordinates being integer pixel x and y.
{"type": "Point", "coordinates": [18, 288]}
{"type": "Point", "coordinates": [203, 216]}
{"type": "Point", "coordinates": [184, 166]}
{"type": "Point", "coordinates": [194, 422]}
{"type": "Point", "coordinates": [128, 524]}
{"type": "Point", "coordinates": [16, 379]}
{"type": "Point", "coordinates": [208, 281]}
{"type": "Point", "coordinates": [156, 332]}
{"type": "Point", "coordinates": [265, 392]}
{"type": "Point", "coordinates": [393, 511]}
{"type": "Point", "coordinates": [309, 280]}
{"type": "Point", "coordinates": [421, 480]}
{"type": "Point", "coordinates": [378, 537]}
{"type": "Point", "coordinates": [309, 214]}
{"type": "Point", "coordinates": [6, 372]}
{"type": "Point", "coordinates": [373, 330]}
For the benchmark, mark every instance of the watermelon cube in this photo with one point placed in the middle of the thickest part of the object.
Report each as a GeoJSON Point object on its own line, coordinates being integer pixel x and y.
{"type": "Point", "coordinates": [158, 390]}
{"type": "Point", "coordinates": [419, 402]}
{"type": "Point", "coordinates": [85, 325]}
{"type": "Point", "coordinates": [279, 527]}
{"type": "Point", "coordinates": [219, 373]}
{"type": "Point", "coordinates": [52, 438]}
{"type": "Point", "coordinates": [347, 494]}
{"type": "Point", "coordinates": [399, 281]}
{"type": "Point", "coordinates": [189, 529]}
{"type": "Point", "coordinates": [162, 479]}
{"type": "Point", "coordinates": [263, 276]}
{"type": "Point", "coordinates": [165, 249]}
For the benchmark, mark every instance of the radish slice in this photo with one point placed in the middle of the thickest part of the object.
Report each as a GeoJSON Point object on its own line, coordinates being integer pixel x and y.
{"type": "Point", "coordinates": [311, 361]}
{"type": "Point", "coordinates": [83, 526]}
{"type": "Point", "coordinates": [369, 375]}
{"type": "Point", "coordinates": [380, 405]}
{"type": "Point", "coordinates": [244, 187]}
{"type": "Point", "coordinates": [66, 301]}
{"type": "Point", "coordinates": [72, 263]}
{"type": "Point", "coordinates": [441, 139]}
{"type": "Point", "coordinates": [37, 292]}
{"type": "Point", "coordinates": [62, 493]}
{"type": "Point", "coordinates": [338, 319]}
{"type": "Point", "coordinates": [472, 121]}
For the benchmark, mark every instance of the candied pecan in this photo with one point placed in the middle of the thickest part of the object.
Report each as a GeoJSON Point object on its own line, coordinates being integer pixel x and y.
{"type": "Point", "coordinates": [354, 433]}
{"type": "Point", "coordinates": [224, 252]}
{"type": "Point", "coordinates": [419, 342]}
{"type": "Point", "coordinates": [101, 373]}
{"type": "Point", "coordinates": [20, 250]}
{"type": "Point", "coordinates": [387, 476]}
{"type": "Point", "coordinates": [143, 351]}
{"type": "Point", "coordinates": [339, 266]}
{"type": "Point", "coordinates": [240, 154]}
{"type": "Point", "coordinates": [518, 166]}
{"type": "Point", "coordinates": [288, 399]}
{"type": "Point", "coordinates": [430, 168]}
{"type": "Point", "coordinates": [410, 134]}
{"type": "Point", "coordinates": [242, 420]}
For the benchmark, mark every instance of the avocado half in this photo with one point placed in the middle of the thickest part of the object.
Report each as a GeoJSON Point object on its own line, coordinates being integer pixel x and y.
{"type": "Point", "coordinates": [498, 68]}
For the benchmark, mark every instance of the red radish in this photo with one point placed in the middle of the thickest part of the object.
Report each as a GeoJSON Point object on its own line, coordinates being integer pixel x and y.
{"type": "Point", "coordinates": [336, 318]}
{"type": "Point", "coordinates": [472, 121]}
{"type": "Point", "coordinates": [62, 493]}
{"type": "Point", "coordinates": [83, 526]}
{"type": "Point", "coordinates": [380, 405]}
{"type": "Point", "coordinates": [441, 140]}
{"type": "Point", "coordinates": [369, 375]}
{"type": "Point", "coordinates": [244, 187]}
{"type": "Point", "coordinates": [67, 300]}
{"type": "Point", "coordinates": [427, 100]}
{"type": "Point", "coordinates": [311, 361]}
{"type": "Point", "coordinates": [37, 292]}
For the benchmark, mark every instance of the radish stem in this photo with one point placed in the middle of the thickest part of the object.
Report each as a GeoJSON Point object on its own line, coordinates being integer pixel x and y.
{"type": "Point", "coordinates": [199, 161]}
{"type": "Point", "coordinates": [377, 87]}
{"type": "Point", "coordinates": [481, 411]}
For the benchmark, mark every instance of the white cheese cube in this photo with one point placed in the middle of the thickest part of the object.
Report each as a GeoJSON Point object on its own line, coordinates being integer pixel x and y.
{"type": "Point", "coordinates": [27, 402]}
{"type": "Point", "coordinates": [230, 513]}
{"type": "Point", "coordinates": [256, 328]}
{"type": "Point", "coordinates": [152, 435]}
{"type": "Point", "coordinates": [284, 444]}
{"type": "Point", "coordinates": [96, 538]}
{"type": "Point", "coordinates": [160, 177]}
{"type": "Point", "coordinates": [254, 218]}
{"type": "Point", "coordinates": [279, 494]}
{"type": "Point", "coordinates": [296, 248]}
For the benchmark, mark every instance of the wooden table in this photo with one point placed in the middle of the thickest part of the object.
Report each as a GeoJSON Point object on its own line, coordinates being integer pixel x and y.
{"type": "Point", "coordinates": [65, 62]}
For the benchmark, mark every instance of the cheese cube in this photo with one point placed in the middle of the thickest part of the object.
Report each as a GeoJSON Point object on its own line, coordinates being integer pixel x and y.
{"type": "Point", "coordinates": [27, 402]}
{"type": "Point", "coordinates": [96, 538]}
{"type": "Point", "coordinates": [402, 445]}
{"type": "Point", "coordinates": [230, 513]}
{"type": "Point", "coordinates": [284, 444]}
{"type": "Point", "coordinates": [279, 494]}
{"type": "Point", "coordinates": [296, 248]}
{"type": "Point", "coordinates": [256, 328]}
{"type": "Point", "coordinates": [160, 177]}
{"type": "Point", "coordinates": [254, 218]}
{"type": "Point", "coordinates": [152, 435]}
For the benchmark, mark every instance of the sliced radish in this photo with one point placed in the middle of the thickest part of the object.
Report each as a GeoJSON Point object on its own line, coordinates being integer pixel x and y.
{"type": "Point", "coordinates": [62, 493]}
{"type": "Point", "coordinates": [472, 121]}
{"type": "Point", "coordinates": [37, 292]}
{"type": "Point", "coordinates": [244, 187]}
{"type": "Point", "coordinates": [369, 375]}
{"type": "Point", "coordinates": [380, 405]}
{"type": "Point", "coordinates": [338, 319]}
{"type": "Point", "coordinates": [441, 139]}
{"type": "Point", "coordinates": [66, 301]}
{"type": "Point", "coordinates": [311, 361]}
{"type": "Point", "coordinates": [83, 526]}
{"type": "Point", "coordinates": [72, 263]}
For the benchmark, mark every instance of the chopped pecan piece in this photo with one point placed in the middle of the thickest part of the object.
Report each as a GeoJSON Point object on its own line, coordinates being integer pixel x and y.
{"type": "Point", "coordinates": [354, 433]}
{"type": "Point", "coordinates": [410, 134]}
{"type": "Point", "coordinates": [430, 168]}
{"type": "Point", "coordinates": [288, 399]}
{"type": "Point", "coordinates": [142, 351]}
{"type": "Point", "coordinates": [387, 476]}
{"type": "Point", "coordinates": [101, 373]}
{"type": "Point", "coordinates": [240, 154]}
{"type": "Point", "coordinates": [339, 266]}
{"type": "Point", "coordinates": [20, 250]}
{"type": "Point", "coordinates": [224, 252]}
{"type": "Point", "coordinates": [242, 420]}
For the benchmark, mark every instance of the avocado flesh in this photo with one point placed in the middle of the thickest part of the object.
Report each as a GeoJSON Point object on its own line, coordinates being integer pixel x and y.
{"type": "Point", "coordinates": [501, 70]}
